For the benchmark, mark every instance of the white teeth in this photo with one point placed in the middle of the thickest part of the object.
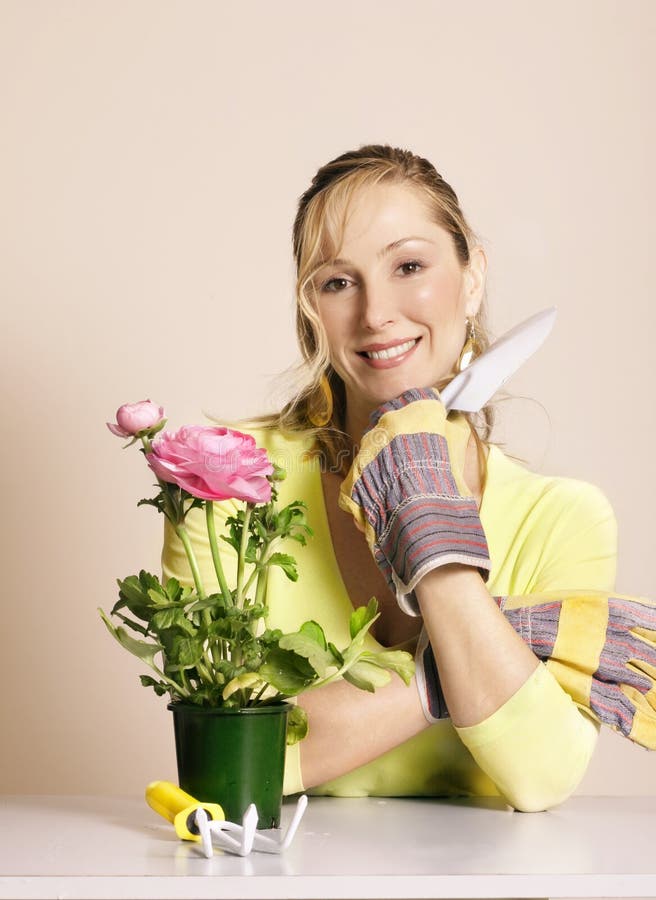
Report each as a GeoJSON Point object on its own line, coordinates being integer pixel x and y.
{"type": "Point", "coordinates": [392, 351]}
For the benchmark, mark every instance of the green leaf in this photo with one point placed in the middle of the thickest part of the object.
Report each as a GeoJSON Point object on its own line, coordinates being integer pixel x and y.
{"type": "Point", "coordinates": [398, 661]}
{"type": "Point", "coordinates": [362, 617]}
{"type": "Point", "coordinates": [135, 626]}
{"type": "Point", "coordinates": [212, 601]}
{"type": "Point", "coordinates": [196, 503]}
{"type": "Point", "coordinates": [297, 725]}
{"type": "Point", "coordinates": [187, 651]}
{"type": "Point", "coordinates": [283, 519]}
{"type": "Point", "coordinates": [149, 581]}
{"type": "Point", "coordinates": [367, 676]}
{"type": "Point", "coordinates": [157, 502]}
{"type": "Point", "coordinates": [132, 595]}
{"type": "Point", "coordinates": [142, 649]}
{"type": "Point", "coordinates": [251, 550]}
{"type": "Point", "coordinates": [286, 671]}
{"type": "Point", "coordinates": [232, 540]}
{"type": "Point", "coordinates": [270, 637]}
{"type": "Point", "coordinates": [160, 687]}
{"type": "Point", "coordinates": [313, 630]}
{"type": "Point", "coordinates": [172, 618]}
{"type": "Point", "coordinates": [247, 681]}
{"type": "Point", "coordinates": [287, 564]}
{"type": "Point", "coordinates": [259, 527]}
{"type": "Point", "coordinates": [157, 597]}
{"type": "Point", "coordinates": [131, 587]}
{"type": "Point", "coordinates": [173, 589]}
{"type": "Point", "coordinates": [307, 646]}
{"type": "Point", "coordinates": [339, 659]}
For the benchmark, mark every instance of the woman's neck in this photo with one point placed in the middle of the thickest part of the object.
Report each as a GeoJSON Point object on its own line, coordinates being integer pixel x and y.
{"type": "Point", "coordinates": [356, 423]}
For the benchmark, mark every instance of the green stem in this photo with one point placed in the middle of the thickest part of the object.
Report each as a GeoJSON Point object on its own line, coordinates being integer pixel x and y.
{"type": "Point", "coordinates": [241, 559]}
{"type": "Point", "coordinates": [220, 649]}
{"type": "Point", "coordinates": [182, 533]}
{"type": "Point", "coordinates": [176, 514]}
{"type": "Point", "coordinates": [261, 569]}
{"type": "Point", "coordinates": [179, 688]}
{"type": "Point", "coordinates": [184, 679]}
{"type": "Point", "coordinates": [258, 571]}
{"type": "Point", "coordinates": [260, 591]}
{"type": "Point", "coordinates": [251, 578]}
{"type": "Point", "coordinates": [171, 511]}
{"type": "Point", "coordinates": [254, 699]}
{"type": "Point", "coordinates": [205, 670]}
{"type": "Point", "coordinates": [216, 557]}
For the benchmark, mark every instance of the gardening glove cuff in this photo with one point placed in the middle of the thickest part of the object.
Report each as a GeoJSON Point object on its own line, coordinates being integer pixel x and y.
{"type": "Point", "coordinates": [427, 679]}
{"type": "Point", "coordinates": [415, 509]}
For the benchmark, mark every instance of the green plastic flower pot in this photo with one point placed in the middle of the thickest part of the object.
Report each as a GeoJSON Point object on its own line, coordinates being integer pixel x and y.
{"type": "Point", "coordinates": [233, 757]}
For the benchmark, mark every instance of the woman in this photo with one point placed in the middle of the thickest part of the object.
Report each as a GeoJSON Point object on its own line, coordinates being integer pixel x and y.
{"type": "Point", "coordinates": [391, 285]}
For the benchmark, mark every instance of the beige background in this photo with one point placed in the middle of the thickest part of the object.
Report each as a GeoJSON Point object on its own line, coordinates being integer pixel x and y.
{"type": "Point", "coordinates": [152, 157]}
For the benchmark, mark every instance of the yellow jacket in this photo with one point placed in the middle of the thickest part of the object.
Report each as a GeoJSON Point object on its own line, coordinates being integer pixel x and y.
{"type": "Point", "coordinates": [544, 533]}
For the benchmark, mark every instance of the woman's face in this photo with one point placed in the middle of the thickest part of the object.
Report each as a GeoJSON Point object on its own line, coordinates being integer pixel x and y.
{"type": "Point", "coordinates": [394, 316]}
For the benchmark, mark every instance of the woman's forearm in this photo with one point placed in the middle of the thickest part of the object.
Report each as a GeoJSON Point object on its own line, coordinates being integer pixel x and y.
{"type": "Point", "coordinates": [349, 727]}
{"type": "Point", "coordinates": [481, 659]}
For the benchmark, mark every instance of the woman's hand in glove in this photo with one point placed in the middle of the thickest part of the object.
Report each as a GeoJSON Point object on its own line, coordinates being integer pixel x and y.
{"type": "Point", "coordinates": [416, 511]}
{"type": "Point", "coordinates": [603, 652]}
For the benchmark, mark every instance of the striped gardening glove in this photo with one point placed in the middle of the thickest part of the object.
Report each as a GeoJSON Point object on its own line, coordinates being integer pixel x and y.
{"type": "Point", "coordinates": [600, 647]}
{"type": "Point", "coordinates": [415, 509]}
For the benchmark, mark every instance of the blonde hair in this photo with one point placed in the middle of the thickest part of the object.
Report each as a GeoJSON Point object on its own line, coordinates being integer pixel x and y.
{"type": "Point", "coordinates": [319, 224]}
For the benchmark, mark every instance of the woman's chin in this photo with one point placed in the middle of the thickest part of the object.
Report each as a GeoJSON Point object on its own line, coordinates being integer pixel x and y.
{"type": "Point", "coordinates": [372, 393]}
{"type": "Point", "coordinates": [398, 387]}
{"type": "Point", "coordinates": [376, 400]}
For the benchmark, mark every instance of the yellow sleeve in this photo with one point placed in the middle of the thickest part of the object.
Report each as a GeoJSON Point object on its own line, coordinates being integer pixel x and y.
{"type": "Point", "coordinates": [537, 746]}
{"type": "Point", "coordinates": [176, 565]}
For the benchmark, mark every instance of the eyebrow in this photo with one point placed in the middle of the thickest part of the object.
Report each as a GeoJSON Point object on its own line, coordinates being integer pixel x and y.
{"type": "Point", "coordinates": [384, 251]}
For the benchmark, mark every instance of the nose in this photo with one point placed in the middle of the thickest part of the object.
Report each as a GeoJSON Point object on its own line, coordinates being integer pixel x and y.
{"type": "Point", "coordinates": [377, 309]}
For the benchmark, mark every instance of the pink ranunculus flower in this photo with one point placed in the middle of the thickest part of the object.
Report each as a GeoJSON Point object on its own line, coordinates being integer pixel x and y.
{"type": "Point", "coordinates": [213, 463]}
{"type": "Point", "coordinates": [131, 418]}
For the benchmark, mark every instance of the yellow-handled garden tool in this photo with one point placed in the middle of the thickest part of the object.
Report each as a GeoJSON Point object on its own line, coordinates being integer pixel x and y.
{"type": "Point", "coordinates": [205, 822]}
{"type": "Point", "coordinates": [178, 807]}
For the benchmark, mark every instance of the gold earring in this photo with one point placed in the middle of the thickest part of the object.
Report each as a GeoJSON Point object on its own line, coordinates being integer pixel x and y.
{"type": "Point", "coordinates": [471, 348]}
{"type": "Point", "coordinates": [320, 412]}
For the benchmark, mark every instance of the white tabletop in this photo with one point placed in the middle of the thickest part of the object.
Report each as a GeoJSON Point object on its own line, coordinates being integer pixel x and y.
{"type": "Point", "coordinates": [110, 847]}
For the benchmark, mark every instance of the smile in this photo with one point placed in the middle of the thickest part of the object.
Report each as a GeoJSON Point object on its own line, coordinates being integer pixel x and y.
{"type": "Point", "coordinates": [391, 351]}
{"type": "Point", "coordinates": [389, 356]}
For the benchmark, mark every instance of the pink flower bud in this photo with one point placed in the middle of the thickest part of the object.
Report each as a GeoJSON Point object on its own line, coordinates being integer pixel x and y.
{"type": "Point", "coordinates": [131, 418]}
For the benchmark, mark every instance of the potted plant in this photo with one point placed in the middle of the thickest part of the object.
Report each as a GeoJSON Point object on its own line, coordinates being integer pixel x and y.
{"type": "Point", "coordinates": [228, 675]}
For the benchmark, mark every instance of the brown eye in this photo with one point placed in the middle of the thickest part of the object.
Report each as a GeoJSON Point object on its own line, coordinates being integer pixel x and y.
{"type": "Point", "coordinates": [412, 262]}
{"type": "Point", "coordinates": [327, 288]}
{"type": "Point", "coordinates": [326, 285]}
